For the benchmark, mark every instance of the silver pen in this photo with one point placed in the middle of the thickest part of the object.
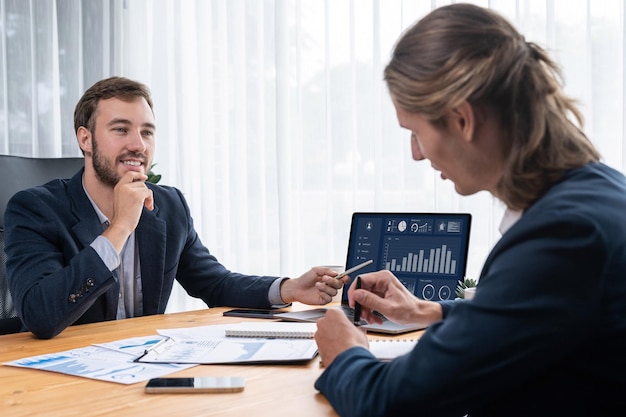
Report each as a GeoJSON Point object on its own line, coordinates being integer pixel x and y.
{"type": "Point", "coordinates": [354, 268]}
{"type": "Point", "coordinates": [154, 348]}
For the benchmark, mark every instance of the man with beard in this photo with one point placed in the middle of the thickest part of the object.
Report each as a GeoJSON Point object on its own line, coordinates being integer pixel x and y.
{"type": "Point", "coordinates": [106, 245]}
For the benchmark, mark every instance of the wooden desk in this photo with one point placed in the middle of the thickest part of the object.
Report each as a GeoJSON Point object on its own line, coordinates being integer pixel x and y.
{"type": "Point", "coordinates": [271, 390]}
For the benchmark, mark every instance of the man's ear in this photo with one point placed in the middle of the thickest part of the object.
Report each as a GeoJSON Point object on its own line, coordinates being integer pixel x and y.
{"type": "Point", "coordinates": [464, 118]}
{"type": "Point", "coordinates": [83, 135]}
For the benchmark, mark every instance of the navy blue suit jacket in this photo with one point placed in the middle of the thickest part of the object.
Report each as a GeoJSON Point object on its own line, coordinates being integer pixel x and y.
{"type": "Point", "coordinates": [545, 334]}
{"type": "Point", "coordinates": [56, 279]}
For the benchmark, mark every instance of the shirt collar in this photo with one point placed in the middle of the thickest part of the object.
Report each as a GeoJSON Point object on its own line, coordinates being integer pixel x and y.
{"type": "Point", "coordinates": [103, 219]}
{"type": "Point", "coordinates": [509, 219]}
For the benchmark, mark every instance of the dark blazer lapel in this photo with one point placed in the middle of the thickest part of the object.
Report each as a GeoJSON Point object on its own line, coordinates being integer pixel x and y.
{"type": "Point", "coordinates": [151, 237]}
{"type": "Point", "coordinates": [87, 228]}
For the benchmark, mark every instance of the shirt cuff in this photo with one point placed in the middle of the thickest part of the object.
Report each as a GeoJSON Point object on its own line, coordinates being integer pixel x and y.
{"type": "Point", "coordinates": [274, 294]}
{"type": "Point", "coordinates": [104, 248]}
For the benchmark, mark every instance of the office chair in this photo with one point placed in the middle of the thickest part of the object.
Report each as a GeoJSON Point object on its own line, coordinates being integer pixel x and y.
{"type": "Point", "coordinates": [18, 173]}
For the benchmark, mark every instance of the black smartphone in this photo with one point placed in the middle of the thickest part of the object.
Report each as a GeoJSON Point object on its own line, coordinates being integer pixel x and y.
{"type": "Point", "coordinates": [254, 313]}
{"type": "Point", "coordinates": [200, 384]}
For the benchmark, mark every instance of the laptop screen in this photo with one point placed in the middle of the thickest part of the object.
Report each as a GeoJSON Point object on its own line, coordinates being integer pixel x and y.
{"type": "Point", "coordinates": [427, 252]}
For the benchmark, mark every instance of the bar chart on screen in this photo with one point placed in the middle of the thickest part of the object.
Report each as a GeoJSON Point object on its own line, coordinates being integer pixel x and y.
{"type": "Point", "coordinates": [425, 257]}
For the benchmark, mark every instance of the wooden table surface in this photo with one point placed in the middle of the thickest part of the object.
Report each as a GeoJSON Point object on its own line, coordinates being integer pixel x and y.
{"type": "Point", "coordinates": [271, 390]}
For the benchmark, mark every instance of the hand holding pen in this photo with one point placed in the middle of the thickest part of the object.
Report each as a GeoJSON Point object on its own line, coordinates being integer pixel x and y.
{"type": "Point", "coordinates": [335, 333]}
{"type": "Point", "coordinates": [354, 269]}
{"type": "Point", "coordinates": [357, 307]}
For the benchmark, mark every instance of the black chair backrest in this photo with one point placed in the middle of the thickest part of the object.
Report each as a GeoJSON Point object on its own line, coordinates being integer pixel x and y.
{"type": "Point", "coordinates": [19, 173]}
{"type": "Point", "coordinates": [9, 322]}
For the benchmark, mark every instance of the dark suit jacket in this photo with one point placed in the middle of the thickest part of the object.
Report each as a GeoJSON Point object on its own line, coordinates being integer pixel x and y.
{"type": "Point", "coordinates": [56, 279]}
{"type": "Point", "coordinates": [545, 334]}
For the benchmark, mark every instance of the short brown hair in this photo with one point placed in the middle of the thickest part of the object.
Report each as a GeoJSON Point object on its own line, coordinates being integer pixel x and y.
{"type": "Point", "coordinates": [113, 87]}
{"type": "Point", "coordinates": [468, 53]}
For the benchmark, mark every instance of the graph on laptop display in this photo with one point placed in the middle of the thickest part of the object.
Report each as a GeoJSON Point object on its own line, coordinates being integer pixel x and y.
{"type": "Point", "coordinates": [427, 252]}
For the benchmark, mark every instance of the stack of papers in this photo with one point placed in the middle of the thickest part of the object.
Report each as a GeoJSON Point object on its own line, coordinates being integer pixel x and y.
{"type": "Point", "coordinates": [215, 344]}
{"type": "Point", "coordinates": [138, 359]}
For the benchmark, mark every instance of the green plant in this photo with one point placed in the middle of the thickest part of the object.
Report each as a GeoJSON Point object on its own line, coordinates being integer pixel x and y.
{"type": "Point", "coordinates": [462, 285]}
{"type": "Point", "coordinates": [152, 177]}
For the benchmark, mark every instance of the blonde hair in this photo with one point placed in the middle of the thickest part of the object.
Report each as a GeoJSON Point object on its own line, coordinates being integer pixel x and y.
{"type": "Point", "coordinates": [464, 52]}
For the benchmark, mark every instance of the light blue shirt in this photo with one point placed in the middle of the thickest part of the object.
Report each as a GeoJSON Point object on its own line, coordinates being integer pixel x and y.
{"type": "Point", "coordinates": [125, 266]}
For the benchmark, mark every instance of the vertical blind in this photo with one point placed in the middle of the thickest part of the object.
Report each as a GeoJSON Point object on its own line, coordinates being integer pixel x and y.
{"type": "Point", "coordinates": [272, 115]}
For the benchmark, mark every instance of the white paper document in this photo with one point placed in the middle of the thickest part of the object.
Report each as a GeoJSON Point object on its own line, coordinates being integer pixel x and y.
{"type": "Point", "coordinates": [138, 359]}
{"type": "Point", "coordinates": [113, 362]}
{"type": "Point", "coordinates": [231, 350]}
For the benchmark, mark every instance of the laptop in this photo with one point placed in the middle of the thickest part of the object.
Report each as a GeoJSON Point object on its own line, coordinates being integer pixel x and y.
{"type": "Point", "coordinates": [426, 251]}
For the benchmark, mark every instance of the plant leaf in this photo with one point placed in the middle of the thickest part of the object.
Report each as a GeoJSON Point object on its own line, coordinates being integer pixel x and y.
{"type": "Point", "coordinates": [152, 177]}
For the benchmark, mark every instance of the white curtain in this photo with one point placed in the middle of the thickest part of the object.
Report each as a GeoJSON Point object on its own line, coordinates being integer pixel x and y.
{"type": "Point", "coordinates": [272, 116]}
{"type": "Point", "coordinates": [50, 52]}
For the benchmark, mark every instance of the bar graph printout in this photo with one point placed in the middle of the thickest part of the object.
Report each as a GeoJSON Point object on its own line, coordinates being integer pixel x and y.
{"type": "Point", "coordinates": [209, 345]}
{"type": "Point", "coordinates": [114, 362]}
{"type": "Point", "coordinates": [240, 350]}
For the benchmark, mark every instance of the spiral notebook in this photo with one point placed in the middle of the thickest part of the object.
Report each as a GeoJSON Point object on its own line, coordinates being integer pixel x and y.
{"type": "Point", "coordinates": [272, 330]}
{"type": "Point", "coordinates": [389, 349]}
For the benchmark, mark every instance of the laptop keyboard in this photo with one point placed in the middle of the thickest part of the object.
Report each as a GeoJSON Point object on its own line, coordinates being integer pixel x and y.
{"type": "Point", "coordinates": [349, 312]}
